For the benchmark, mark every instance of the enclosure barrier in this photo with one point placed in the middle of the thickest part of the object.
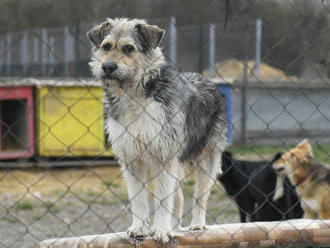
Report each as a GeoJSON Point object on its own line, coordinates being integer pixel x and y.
{"type": "Point", "coordinates": [261, 234]}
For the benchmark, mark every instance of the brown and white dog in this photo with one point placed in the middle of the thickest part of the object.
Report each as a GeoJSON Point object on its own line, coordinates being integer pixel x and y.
{"type": "Point", "coordinates": [311, 179]}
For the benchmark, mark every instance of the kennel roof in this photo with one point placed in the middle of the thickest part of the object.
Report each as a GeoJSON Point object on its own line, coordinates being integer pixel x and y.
{"type": "Point", "coordinates": [38, 82]}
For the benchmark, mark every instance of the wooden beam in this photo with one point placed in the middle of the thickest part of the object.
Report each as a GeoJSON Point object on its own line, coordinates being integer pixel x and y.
{"type": "Point", "coordinates": [260, 234]}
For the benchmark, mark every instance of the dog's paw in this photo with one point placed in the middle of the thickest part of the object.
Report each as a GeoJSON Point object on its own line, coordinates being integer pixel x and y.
{"type": "Point", "coordinates": [138, 231]}
{"type": "Point", "coordinates": [195, 227]}
{"type": "Point", "coordinates": [163, 235]}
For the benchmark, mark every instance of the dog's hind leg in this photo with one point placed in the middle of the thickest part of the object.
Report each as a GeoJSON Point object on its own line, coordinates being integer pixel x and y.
{"type": "Point", "coordinates": [136, 178]}
{"type": "Point", "coordinates": [204, 182]}
{"type": "Point", "coordinates": [164, 183]}
{"type": "Point", "coordinates": [242, 214]}
{"type": "Point", "coordinates": [178, 200]}
{"type": "Point", "coordinates": [246, 208]}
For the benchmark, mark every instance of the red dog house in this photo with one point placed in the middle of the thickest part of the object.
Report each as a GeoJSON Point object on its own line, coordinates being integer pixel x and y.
{"type": "Point", "coordinates": [16, 122]}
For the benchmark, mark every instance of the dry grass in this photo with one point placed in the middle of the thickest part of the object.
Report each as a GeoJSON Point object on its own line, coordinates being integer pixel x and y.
{"type": "Point", "coordinates": [40, 183]}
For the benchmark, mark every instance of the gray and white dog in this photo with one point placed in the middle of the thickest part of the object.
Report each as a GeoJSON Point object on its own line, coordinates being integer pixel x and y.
{"type": "Point", "coordinates": [160, 120]}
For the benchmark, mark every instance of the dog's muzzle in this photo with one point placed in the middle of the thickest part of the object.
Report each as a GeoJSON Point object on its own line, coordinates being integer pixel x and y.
{"type": "Point", "coordinates": [110, 72]}
{"type": "Point", "coordinates": [109, 67]}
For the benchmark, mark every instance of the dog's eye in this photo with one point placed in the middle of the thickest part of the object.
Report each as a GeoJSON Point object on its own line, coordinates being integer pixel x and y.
{"type": "Point", "coordinates": [127, 49]}
{"type": "Point", "coordinates": [106, 47]}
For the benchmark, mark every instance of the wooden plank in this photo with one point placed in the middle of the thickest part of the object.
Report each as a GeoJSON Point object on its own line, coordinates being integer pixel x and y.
{"type": "Point", "coordinates": [260, 234]}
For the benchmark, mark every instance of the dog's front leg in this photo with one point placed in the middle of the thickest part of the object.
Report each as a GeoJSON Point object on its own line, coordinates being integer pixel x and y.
{"type": "Point", "coordinates": [164, 195]}
{"type": "Point", "coordinates": [136, 178]}
{"type": "Point", "coordinates": [178, 199]}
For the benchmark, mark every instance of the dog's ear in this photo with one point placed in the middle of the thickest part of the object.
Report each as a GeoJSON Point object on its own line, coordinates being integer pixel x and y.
{"type": "Point", "coordinates": [150, 35]}
{"type": "Point", "coordinates": [305, 147]}
{"type": "Point", "coordinates": [277, 156]}
{"type": "Point", "coordinates": [97, 34]}
{"type": "Point", "coordinates": [226, 158]}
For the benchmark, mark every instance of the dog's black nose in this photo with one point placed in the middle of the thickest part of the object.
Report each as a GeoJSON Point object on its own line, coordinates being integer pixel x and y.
{"type": "Point", "coordinates": [109, 67]}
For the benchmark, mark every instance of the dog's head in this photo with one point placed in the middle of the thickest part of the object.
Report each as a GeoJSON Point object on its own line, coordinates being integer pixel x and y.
{"type": "Point", "coordinates": [276, 157]}
{"type": "Point", "coordinates": [124, 49]}
{"type": "Point", "coordinates": [292, 163]}
{"type": "Point", "coordinates": [227, 161]}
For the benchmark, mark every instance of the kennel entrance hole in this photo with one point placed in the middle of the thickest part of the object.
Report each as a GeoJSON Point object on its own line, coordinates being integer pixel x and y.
{"type": "Point", "coordinates": [14, 125]}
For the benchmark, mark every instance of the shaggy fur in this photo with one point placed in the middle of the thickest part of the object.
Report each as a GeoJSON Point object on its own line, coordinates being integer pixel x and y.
{"type": "Point", "coordinates": [311, 179]}
{"type": "Point", "coordinates": [157, 119]}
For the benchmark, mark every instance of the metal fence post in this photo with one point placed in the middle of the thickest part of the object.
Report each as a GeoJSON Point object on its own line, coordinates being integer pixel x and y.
{"type": "Point", "coordinates": [201, 48]}
{"type": "Point", "coordinates": [244, 89]}
{"type": "Point", "coordinates": [173, 40]}
{"type": "Point", "coordinates": [258, 47]}
{"type": "Point", "coordinates": [212, 70]}
{"type": "Point", "coordinates": [303, 46]}
{"type": "Point", "coordinates": [24, 51]}
{"type": "Point", "coordinates": [44, 49]}
{"type": "Point", "coordinates": [8, 53]}
{"type": "Point", "coordinates": [35, 56]}
{"type": "Point", "coordinates": [51, 57]}
{"type": "Point", "coordinates": [35, 51]}
{"type": "Point", "coordinates": [2, 53]}
{"type": "Point", "coordinates": [77, 49]}
{"type": "Point", "coordinates": [68, 50]}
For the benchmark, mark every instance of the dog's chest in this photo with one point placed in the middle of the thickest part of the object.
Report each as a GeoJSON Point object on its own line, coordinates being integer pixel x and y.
{"type": "Point", "coordinates": [140, 130]}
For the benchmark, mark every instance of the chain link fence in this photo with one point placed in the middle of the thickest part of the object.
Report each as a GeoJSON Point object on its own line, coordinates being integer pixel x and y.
{"type": "Point", "coordinates": [59, 176]}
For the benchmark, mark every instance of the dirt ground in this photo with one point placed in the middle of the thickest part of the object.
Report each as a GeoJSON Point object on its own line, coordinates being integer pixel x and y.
{"type": "Point", "coordinates": [41, 204]}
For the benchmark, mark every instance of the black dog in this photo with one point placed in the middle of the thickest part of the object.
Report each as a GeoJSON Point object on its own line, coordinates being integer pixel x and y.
{"type": "Point", "coordinates": [252, 185]}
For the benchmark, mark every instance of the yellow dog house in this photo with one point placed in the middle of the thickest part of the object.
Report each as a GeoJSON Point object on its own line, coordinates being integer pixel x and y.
{"type": "Point", "coordinates": [70, 119]}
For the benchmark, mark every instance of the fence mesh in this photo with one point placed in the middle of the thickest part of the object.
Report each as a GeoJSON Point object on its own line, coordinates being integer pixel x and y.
{"type": "Point", "coordinates": [59, 176]}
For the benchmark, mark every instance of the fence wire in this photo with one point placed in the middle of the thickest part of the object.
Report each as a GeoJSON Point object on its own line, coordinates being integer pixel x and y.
{"type": "Point", "coordinates": [59, 175]}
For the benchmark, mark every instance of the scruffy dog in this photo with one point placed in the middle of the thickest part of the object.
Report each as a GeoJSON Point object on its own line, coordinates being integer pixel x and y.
{"type": "Point", "coordinates": [311, 179]}
{"type": "Point", "coordinates": [157, 119]}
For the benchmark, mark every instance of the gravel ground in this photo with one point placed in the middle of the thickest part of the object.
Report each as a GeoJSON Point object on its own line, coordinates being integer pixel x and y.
{"type": "Point", "coordinates": [42, 204]}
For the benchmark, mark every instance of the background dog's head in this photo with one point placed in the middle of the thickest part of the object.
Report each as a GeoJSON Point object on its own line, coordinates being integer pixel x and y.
{"type": "Point", "coordinates": [227, 161]}
{"type": "Point", "coordinates": [125, 49]}
{"type": "Point", "coordinates": [293, 162]}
